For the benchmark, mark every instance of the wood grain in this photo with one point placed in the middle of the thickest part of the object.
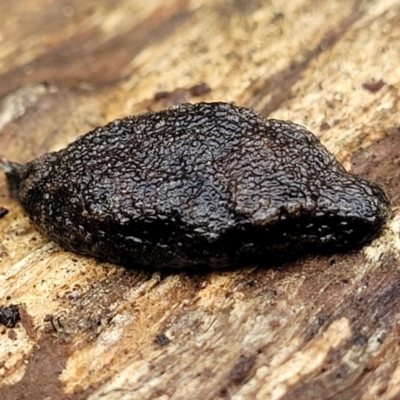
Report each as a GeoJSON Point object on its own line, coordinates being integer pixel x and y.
{"type": "Point", "coordinates": [321, 327]}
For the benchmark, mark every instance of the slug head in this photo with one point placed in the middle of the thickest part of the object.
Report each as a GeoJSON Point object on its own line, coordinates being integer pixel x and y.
{"type": "Point", "coordinates": [12, 171]}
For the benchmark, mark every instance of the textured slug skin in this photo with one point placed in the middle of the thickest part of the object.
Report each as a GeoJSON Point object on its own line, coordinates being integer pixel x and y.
{"type": "Point", "coordinates": [198, 184]}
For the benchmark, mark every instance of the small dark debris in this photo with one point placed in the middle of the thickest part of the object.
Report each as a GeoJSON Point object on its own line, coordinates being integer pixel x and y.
{"type": "Point", "coordinates": [93, 325]}
{"type": "Point", "coordinates": [74, 294]}
{"type": "Point", "coordinates": [199, 90]}
{"type": "Point", "coordinates": [3, 212]}
{"type": "Point", "coordinates": [12, 334]}
{"type": "Point", "coordinates": [182, 93]}
{"type": "Point", "coordinates": [9, 315]}
{"type": "Point", "coordinates": [373, 86]}
{"type": "Point", "coordinates": [241, 369]}
{"type": "Point", "coordinates": [368, 367]}
{"type": "Point", "coordinates": [324, 126]}
{"type": "Point", "coordinates": [223, 392]}
{"type": "Point", "coordinates": [52, 319]}
{"type": "Point", "coordinates": [162, 339]}
{"type": "Point", "coordinates": [161, 95]}
{"type": "Point", "coordinates": [380, 340]}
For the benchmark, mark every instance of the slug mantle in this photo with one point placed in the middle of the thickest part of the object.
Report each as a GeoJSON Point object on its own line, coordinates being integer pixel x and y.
{"type": "Point", "coordinates": [199, 184]}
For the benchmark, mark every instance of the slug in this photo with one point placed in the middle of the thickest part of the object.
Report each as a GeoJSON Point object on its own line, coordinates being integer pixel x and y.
{"type": "Point", "coordinates": [207, 184]}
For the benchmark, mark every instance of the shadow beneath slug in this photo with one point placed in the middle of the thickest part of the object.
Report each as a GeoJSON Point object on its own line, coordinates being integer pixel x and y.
{"type": "Point", "coordinates": [276, 262]}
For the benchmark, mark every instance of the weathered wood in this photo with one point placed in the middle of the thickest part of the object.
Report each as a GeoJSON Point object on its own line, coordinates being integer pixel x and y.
{"type": "Point", "coordinates": [324, 327]}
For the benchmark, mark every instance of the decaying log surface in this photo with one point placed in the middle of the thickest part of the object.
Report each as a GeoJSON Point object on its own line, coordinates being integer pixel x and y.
{"type": "Point", "coordinates": [323, 327]}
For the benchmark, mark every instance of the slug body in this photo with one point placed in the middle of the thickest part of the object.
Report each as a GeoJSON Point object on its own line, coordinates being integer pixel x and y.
{"type": "Point", "coordinates": [199, 184]}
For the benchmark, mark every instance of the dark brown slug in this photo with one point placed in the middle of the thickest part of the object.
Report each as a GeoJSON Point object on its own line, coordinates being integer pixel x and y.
{"type": "Point", "coordinates": [199, 184]}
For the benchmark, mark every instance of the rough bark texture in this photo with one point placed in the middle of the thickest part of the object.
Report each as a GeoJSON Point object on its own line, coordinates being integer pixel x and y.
{"type": "Point", "coordinates": [323, 327]}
